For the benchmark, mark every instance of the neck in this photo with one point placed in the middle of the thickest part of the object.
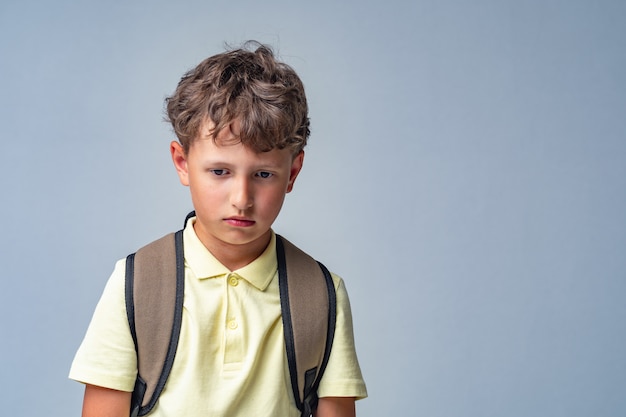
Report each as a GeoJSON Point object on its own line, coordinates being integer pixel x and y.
{"type": "Point", "coordinates": [236, 256]}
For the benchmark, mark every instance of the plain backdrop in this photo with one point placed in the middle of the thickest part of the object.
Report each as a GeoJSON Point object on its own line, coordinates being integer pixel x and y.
{"type": "Point", "coordinates": [466, 175]}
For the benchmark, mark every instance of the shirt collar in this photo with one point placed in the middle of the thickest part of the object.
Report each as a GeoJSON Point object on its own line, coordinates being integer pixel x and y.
{"type": "Point", "coordinates": [204, 265]}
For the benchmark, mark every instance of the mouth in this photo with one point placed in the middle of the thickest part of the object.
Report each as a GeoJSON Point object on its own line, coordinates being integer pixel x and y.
{"type": "Point", "coordinates": [239, 221]}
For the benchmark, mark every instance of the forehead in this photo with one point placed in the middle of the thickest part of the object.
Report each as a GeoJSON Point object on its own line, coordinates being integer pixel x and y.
{"type": "Point", "coordinates": [230, 135]}
{"type": "Point", "coordinates": [228, 150]}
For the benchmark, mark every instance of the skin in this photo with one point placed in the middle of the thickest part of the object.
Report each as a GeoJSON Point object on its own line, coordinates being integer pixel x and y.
{"type": "Point", "coordinates": [336, 407]}
{"type": "Point", "coordinates": [237, 194]}
{"type": "Point", "coordinates": [105, 402]}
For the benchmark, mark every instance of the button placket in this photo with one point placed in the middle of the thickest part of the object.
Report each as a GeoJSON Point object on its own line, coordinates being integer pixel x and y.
{"type": "Point", "coordinates": [232, 337]}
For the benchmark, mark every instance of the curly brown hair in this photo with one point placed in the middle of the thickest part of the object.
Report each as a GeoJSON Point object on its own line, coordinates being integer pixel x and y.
{"type": "Point", "coordinates": [264, 96]}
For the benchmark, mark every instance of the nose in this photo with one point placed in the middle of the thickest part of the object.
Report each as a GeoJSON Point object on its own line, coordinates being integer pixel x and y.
{"type": "Point", "coordinates": [241, 194]}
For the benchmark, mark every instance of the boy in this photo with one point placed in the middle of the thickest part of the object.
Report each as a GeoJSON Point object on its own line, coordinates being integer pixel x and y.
{"type": "Point", "coordinates": [241, 118]}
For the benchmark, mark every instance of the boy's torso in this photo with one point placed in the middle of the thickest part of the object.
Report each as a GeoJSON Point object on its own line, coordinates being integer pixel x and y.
{"type": "Point", "coordinates": [231, 354]}
{"type": "Point", "coordinates": [232, 326]}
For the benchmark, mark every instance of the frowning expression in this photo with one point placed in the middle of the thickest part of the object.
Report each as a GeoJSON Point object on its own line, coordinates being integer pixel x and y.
{"type": "Point", "coordinates": [237, 193]}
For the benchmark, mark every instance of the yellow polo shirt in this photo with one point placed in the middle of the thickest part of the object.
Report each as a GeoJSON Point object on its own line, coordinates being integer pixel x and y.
{"type": "Point", "coordinates": [231, 358]}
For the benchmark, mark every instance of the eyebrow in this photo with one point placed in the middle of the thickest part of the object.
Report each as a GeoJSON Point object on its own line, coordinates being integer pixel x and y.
{"type": "Point", "coordinates": [221, 163]}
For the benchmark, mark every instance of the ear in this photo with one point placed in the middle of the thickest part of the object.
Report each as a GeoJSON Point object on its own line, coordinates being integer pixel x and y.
{"type": "Point", "coordinates": [296, 166]}
{"type": "Point", "coordinates": [180, 162]}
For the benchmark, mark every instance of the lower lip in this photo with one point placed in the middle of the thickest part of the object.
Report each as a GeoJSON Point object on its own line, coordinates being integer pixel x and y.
{"type": "Point", "coordinates": [240, 223]}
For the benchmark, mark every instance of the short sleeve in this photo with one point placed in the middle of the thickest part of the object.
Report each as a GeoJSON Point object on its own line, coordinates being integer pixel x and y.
{"type": "Point", "coordinates": [342, 377]}
{"type": "Point", "coordinates": [106, 357]}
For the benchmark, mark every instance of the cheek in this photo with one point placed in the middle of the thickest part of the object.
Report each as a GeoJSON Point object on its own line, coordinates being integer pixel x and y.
{"type": "Point", "coordinates": [204, 193]}
{"type": "Point", "coordinates": [277, 200]}
{"type": "Point", "coordinates": [270, 201]}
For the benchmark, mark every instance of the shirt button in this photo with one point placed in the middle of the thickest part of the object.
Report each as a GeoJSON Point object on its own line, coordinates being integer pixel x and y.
{"type": "Point", "coordinates": [232, 324]}
{"type": "Point", "coordinates": [233, 281]}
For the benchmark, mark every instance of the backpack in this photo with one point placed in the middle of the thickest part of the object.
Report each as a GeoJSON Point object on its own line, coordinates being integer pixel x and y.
{"type": "Point", "coordinates": [154, 292]}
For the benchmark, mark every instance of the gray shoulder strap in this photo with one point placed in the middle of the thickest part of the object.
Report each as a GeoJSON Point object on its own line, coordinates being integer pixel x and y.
{"type": "Point", "coordinates": [308, 303]}
{"type": "Point", "coordinates": [154, 300]}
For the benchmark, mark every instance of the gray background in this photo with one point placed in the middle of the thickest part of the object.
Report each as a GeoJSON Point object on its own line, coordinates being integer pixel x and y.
{"type": "Point", "coordinates": [466, 175]}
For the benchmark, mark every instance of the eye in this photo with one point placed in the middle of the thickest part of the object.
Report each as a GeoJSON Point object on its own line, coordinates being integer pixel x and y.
{"type": "Point", "coordinates": [264, 174]}
{"type": "Point", "coordinates": [218, 172]}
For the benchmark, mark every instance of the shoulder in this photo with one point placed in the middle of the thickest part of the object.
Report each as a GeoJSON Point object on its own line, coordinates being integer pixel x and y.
{"type": "Point", "coordinates": [107, 337]}
{"type": "Point", "coordinates": [116, 282]}
{"type": "Point", "coordinates": [293, 250]}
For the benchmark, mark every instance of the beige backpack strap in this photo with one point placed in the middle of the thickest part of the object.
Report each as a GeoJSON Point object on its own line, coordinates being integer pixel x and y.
{"type": "Point", "coordinates": [154, 300]}
{"type": "Point", "coordinates": [308, 304]}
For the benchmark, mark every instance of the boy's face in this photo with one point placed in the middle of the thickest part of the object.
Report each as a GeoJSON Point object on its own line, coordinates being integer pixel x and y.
{"type": "Point", "coordinates": [236, 192]}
